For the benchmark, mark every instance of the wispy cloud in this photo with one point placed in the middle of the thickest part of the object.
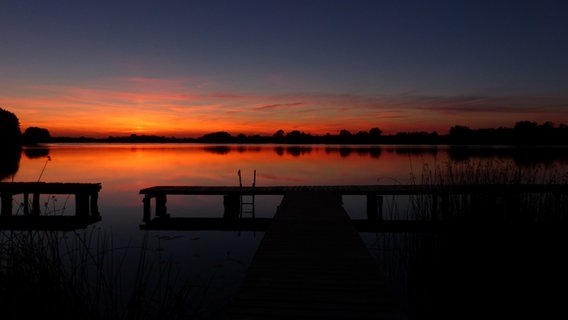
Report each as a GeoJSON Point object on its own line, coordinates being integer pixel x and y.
{"type": "Point", "coordinates": [280, 105]}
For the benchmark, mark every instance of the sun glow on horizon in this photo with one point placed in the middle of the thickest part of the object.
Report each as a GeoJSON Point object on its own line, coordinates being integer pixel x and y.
{"type": "Point", "coordinates": [180, 108]}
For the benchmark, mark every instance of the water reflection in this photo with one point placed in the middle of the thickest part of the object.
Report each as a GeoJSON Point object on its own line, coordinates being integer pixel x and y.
{"type": "Point", "coordinates": [520, 155]}
{"type": "Point", "coordinates": [523, 156]}
{"type": "Point", "coordinates": [36, 152]}
{"type": "Point", "coordinates": [9, 162]}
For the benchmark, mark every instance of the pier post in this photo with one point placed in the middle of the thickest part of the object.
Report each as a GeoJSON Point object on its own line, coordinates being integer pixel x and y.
{"type": "Point", "coordinates": [232, 204]}
{"type": "Point", "coordinates": [161, 210]}
{"type": "Point", "coordinates": [6, 205]}
{"type": "Point", "coordinates": [147, 208]}
{"type": "Point", "coordinates": [81, 204]}
{"type": "Point", "coordinates": [95, 204]}
{"type": "Point", "coordinates": [26, 204]}
{"type": "Point", "coordinates": [35, 204]}
{"type": "Point", "coordinates": [374, 207]}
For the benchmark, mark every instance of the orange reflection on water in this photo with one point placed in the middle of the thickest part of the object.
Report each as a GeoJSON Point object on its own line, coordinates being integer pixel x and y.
{"type": "Point", "coordinates": [126, 168]}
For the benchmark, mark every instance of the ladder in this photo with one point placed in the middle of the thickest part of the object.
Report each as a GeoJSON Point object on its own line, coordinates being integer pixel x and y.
{"type": "Point", "coordinates": [247, 201]}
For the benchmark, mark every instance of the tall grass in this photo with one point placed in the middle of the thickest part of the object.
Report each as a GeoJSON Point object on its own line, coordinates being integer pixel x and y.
{"type": "Point", "coordinates": [84, 275]}
{"type": "Point", "coordinates": [504, 257]}
{"type": "Point", "coordinates": [501, 208]}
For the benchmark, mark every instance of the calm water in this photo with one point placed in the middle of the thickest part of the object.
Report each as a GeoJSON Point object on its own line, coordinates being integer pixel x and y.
{"type": "Point", "coordinates": [215, 261]}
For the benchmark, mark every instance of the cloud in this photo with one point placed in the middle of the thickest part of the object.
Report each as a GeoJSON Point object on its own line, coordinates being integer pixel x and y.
{"type": "Point", "coordinates": [280, 105]}
{"type": "Point", "coordinates": [491, 104]}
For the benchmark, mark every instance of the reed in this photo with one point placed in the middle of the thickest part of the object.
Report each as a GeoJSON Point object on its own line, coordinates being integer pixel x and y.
{"type": "Point", "coordinates": [505, 208]}
{"type": "Point", "coordinates": [497, 254]}
{"type": "Point", "coordinates": [85, 275]}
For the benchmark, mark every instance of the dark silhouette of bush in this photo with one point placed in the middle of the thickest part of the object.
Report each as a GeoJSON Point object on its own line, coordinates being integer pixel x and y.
{"type": "Point", "coordinates": [35, 135]}
{"type": "Point", "coordinates": [217, 137]}
{"type": "Point", "coordinates": [298, 137]}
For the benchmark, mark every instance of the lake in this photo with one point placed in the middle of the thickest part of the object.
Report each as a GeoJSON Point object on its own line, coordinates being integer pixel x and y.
{"type": "Point", "coordinates": [213, 263]}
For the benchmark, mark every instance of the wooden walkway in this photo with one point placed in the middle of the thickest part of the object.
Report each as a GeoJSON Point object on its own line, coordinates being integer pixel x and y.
{"type": "Point", "coordinates": [312, 264]}
{"type": "Point", "coordinates": [31, 217]}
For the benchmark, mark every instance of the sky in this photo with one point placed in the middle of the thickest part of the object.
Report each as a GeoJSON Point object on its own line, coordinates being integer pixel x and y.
{"type": "Point", "coordinates": [185, 68]}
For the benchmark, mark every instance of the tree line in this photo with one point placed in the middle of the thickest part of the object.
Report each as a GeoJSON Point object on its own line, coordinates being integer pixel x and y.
{"type": "Point", "coordinates": [522, 133]}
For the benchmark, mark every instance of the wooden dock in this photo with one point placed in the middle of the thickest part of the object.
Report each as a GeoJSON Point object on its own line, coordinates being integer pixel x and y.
{"type": "Point", "coordinates": [86, 205]}
{"type": "Point", "coordinates": [439, 196]}
{"type": "Point", "coordinates": [312, 264]}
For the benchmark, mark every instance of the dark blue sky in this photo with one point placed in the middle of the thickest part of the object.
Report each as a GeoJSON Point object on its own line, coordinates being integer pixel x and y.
{"type": "Point", "coordinates": [395, 64]}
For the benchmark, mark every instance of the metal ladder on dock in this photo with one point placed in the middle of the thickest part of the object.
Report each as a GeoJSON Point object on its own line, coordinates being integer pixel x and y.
{"type": "Point", "coordinates": [247, 201]}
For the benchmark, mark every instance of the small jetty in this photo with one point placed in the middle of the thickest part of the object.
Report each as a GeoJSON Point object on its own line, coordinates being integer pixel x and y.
{"type": "Point", "coordinates": [437, 197]}
{"type": "Point", "coordinates": [312, 264]}
{"type": "Point", "coordinates": [86, 205]}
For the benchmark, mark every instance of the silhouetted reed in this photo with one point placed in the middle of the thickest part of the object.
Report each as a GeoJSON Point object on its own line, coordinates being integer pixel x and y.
{"type": "Point", "coordinates": [491, 207]}
{"type": "Point", "coordinates": [497, 254]}
{"type": "Point", "coordinates": [85, 275]}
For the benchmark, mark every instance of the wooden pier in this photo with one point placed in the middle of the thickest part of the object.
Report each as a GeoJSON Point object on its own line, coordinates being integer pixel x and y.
{"type": "Point", "coordinates": [438, 195]}
{"type": "Point", "coordinates": [312, 264]}
{"type": "Point", "coordinates": [86, 205]}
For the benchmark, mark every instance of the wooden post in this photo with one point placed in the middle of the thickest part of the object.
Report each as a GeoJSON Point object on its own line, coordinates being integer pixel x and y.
{"type": "Point", "coordinates": [35, 204]}
{"type": "Point", "coordinates": [26, 204]}
{"type": "Point", "coordinates": [232, 204]}
{"type": "Point", "coordinates": [6, 205]}
{"type": "Point", "coordinates": [161, 209]}
{"type": "Point", "coordinates": [147, 208]}
{"type": "Point", "coordinates": [81, 205]}
{"type": "Point", "coordinates": [95, 204]}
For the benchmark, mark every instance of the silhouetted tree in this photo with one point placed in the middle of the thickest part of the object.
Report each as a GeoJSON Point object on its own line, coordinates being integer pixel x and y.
{"type": "Point", "coordinates": [10, 134]}
{"type": "Point", "coordinates": [35, 135]}
{"type": "Point", "coordinates": [279, 134]}
{"type": "Point", "coordinates": [345, 136]}
{"type": "Point", "coordinates": [375, 132]}
{"type": "Point", "coordinates": [296, 136]}
{"type": "Point", "coordinates": [217, 137]}
{"type": "Point", "coordinates": [460, 135]}
{"type": "Point", "coordinates": [525, 125]}
{"type": "Point", "coordinates": [10, 144]}
{"type": "Point", "coordinates": [242, 138]}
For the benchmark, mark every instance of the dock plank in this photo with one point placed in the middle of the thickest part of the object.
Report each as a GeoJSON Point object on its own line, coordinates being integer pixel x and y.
{"type": "Point", "coordinates": [312, 264]}
{"type": "Point", "coordinates": [412, 189]}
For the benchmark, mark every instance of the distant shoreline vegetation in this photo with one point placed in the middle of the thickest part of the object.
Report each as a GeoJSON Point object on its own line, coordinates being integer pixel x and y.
{"type": "Point", "coordinates": [524, 133]}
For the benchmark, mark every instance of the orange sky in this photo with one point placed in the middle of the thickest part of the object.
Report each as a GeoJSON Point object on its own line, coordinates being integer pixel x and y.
{"type": "Point", "coordinates": [186, 108]}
